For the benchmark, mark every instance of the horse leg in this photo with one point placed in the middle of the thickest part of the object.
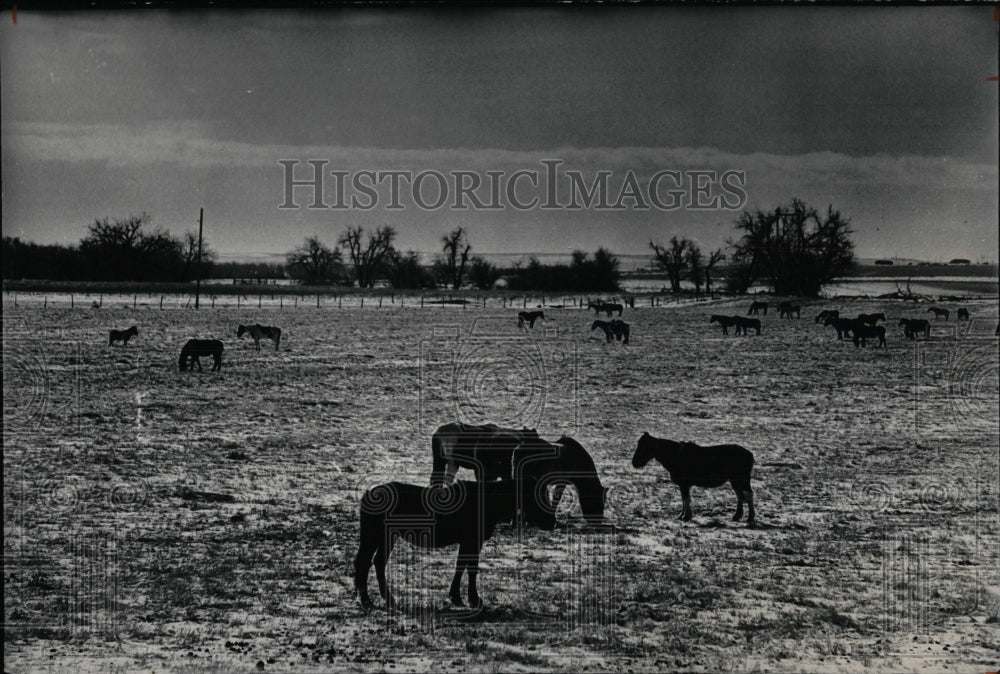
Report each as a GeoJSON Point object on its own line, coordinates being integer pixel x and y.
{"type": "Point", "coordinates": [455, 592]}
{"type": "Point", "coordinates": [748, 495]}
{"type": "Point", "coordinates": [472, 566]}
{"type": "Point", "coordinates": [686, 501]}
{"type": "Point", "coordinates": [739, 501]}
{"type": "Point", "coordinates": [381, 557]}
{"type": "Point", "coordinates": [362, 564]}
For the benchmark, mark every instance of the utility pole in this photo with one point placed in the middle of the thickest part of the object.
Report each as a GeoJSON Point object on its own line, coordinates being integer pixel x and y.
{"type": "Point", "coordinates": [197, 271]}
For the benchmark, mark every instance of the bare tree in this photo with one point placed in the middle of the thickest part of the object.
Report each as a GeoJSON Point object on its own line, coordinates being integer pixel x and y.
{"type": "Point", "coordinates": [456, 252]}
{"type": "Point", "coordinates": [673, 260]}
{"type": "Point", "coordinates": [189, 253]}
{"type": "Point", "coordinates": [369, 259]}
{"type": "Point", "coordinates": [120, 250]}
{"type": "Point", "coordinates": [313, 263]}
{"type": "Point", "coordinates": [793, 248]}
{"type": "Point", "coordinates": [696, 266]}
{"type": "Point", "coordinates": [714, 258]}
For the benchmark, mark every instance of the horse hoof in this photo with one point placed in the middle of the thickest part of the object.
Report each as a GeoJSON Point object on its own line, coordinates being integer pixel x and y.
{"type": "Point", "coordinates": [751, 524]}
{"type": "Point", "coordinates": [457, 601]}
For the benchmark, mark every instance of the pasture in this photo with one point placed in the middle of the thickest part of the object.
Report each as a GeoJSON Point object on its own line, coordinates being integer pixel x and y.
{"type": "Point", "coordinates": [167, 521]}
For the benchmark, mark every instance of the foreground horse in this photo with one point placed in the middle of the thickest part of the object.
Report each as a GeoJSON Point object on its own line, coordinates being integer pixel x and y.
{"type": "Point", "coordinates": [615, 329]}
{"type": "Point", "coordinates": [914, 326]}
{"type": "Point", "coordinates": [963, 314]}
{"type": "Point", "coordinates": [787, 309]}
{"type": "Point", "coordinates": [938, 313]}
{"type": "Point", "coordinates": [843, 326]}
{"type": "Point", "coordinates": [757, 307]}
{"type": "Point", "coordinates": [529, 317]}
{"type": "Point", "coordinates": [743, 324]}
{"type": "Point", "coordinates": [259, 332]}
{"type": "Point", "coordinates": [870, 319]}
{"type": "Point", "coordinates": [466, 513]}
{"type": "Point", "coordinates": [123, 336]}
{"type": "Point", "coordinates": [827, 314]}
{"type": "Point", "coordinates": [866, 332]}
{"type": "Point", "coordinates": [486, 450]}
{"type": "Point", "coordinates": [690, 465]}
{"type": "Point", "coordinates": [725, 321]}
{"type": "Point", "coordinates": [195, 348]}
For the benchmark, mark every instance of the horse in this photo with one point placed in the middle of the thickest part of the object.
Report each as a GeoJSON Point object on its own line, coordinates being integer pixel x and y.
{"type": "Point", "coordinates": [743, 323]}
{"type": "Point", "coordinates": [529, 317]}
{"type": "Point", "coordinates": [844, 326]}
{"type": "Point", "coordinates": [485, 450]}
{"type": "Point", "coordinates": [870, 319]}
{"type": "Point", "coordinates": [606, 307]}
{"type": "Point", "coordinates": [938, 312]}
{"type": "Point", "coordinates": [123, 336]}
{"type": "Point", "coordinates": [465, 513]}
{"type": "Point", "coordinates": [826, 314]}
{"type": "Point", "coordinates": [609, 334]}
{"type": "Point", "coordinates": [258, 332]}
{"type": "Point", "coordinates": [195, 348]}
{"type": "Point", "coordinates": [724, 321]}
{"type": "Point", "coordinates": [963, 314]}
{"type": "Point", "coordinates": [912, 326]}
{"type": "Point", "coordinates": [561, 463]}
{"type": "Point", "coordinates": [787, 309]}
{"type": "Point", "coordinates": [621, 331]}
{"type": "Point", "coordinates": [757, 307]}
{"type": "Point", "coordinates": [691, 465]}
{"type": "Point", "coordinates": [865, 332]}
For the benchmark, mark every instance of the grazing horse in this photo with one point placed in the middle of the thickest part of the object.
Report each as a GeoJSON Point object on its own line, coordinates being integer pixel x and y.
{"type": "Point", "coordinates": [724, 321]}
{"type": "Point", "coordinates": [195, 348]}
{"type": "Point", "coordinates": [827, 314]}
{"type": "Point", "coordinates": [486, 450]}
{"type": "Point", "coordinates": [757, 307]}
{"type": "Point", "coordinates": [690, 465]}
{"type": "Point", "coordinates": [621, 331]}
{"type": "Point", "coordinates": [258, 332]}
{"type": "Point", "coordinates": [465, 513]}
{"type": "Point", "coordinates": [938, 312]}
{"type": "Point", "coordinates": [529, 317]}
{"type": "Point", "coordinates": [606, 307]}
{"type": "Point", "coordinates": [865, 332]}
{"type": "Point", "coordinates": [743, 324]}
{"type": "Point", "coordinates": [561, 463]}
{"type": "Point", "coordinates": [963, 314]}
{"type": "Point", "coordinates": [787, 309]}
{"type": "Point", "coordinates": [123, 336]}
{"type": "Point", "coordinates": [609, 335]}
{"type": "Point", "coordinates": [912, 326]}
{"type": "Point", "coordinates": [870, 319]}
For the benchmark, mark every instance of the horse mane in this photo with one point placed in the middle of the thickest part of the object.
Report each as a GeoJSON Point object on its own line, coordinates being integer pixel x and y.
{"type": "Point", "coordinates": [577, 450]}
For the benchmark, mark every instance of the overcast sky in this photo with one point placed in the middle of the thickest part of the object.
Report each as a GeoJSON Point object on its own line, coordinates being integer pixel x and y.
{"type": "Point", "coordinates": [885, 113]}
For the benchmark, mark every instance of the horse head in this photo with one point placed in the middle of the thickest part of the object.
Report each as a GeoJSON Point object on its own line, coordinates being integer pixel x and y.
{"type": "Point", "coordinates": [240, 331]}
{"type": "Point", "coordinates": [643, 451]}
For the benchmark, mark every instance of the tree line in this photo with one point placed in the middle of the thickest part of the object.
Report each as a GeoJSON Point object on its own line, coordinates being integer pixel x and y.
{"type": "Point", "coordinates": [794, 250]}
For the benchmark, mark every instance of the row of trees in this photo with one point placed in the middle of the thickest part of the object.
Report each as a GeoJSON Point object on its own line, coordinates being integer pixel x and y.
{"type": "Point", "coordinates": [794, 249]}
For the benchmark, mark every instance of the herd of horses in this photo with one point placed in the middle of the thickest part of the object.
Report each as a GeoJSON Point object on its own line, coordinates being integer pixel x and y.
{"type": "Point", "coordinates": [195, 349]}
{"type": "Point", "coordinates": [514, 469]}
{"type": "Point", "coordinates": [615, 329]}
{"type": "Point", "coordinates": [860, 329]}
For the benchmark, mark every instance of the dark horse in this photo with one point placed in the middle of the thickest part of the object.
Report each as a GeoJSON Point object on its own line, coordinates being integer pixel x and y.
{"type": "Point", "coordinates": [494, 453]}
{"type": "Point", "coordinates": [866, 332]}
{"type": "Point", "coordinates": [123, 336]}
{"type": "Point", "coordinates": [486, 450]}
{"type": "Point", "coordinates": [195, 348]}
{"type": "Point", "coordinates": [725, 321]}
{"type": "Point", "coordinates": [787, 309]}
{"type": "Point", "coordinates": [606, 307]}
{"type": "Point", "coordinates": [259, 332]}
{"type": "Point", "coordinates": [963, 314]}
{"type": "Point", "coordinates": [827, 314]}
{"type": "Point", "coordinates": [690, 465]}
{"type": "Point", "coordinates": [843, 326]}
{"type": "Point", "coordinates": [757, 307]}
{"type": "Point", "coordinates": [914, 326]}
{"type": "Point", "coordinates": [938, 313]}
{"type": "Point", "coordinates": [529, 317]}
{"type": "Point", "coordinates": [744, 324]}
{"type": "Point", "coordinates": [613, 330]}
{"type": "Point", "coordinates": [870, 319]}
{"type": "Point", "coordinates": [561, 463]}
{"type": "Point", "coordinates": [465, 513]}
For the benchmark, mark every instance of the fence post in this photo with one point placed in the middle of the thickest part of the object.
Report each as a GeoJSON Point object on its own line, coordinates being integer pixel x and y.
{"type": "Point", "coordinates": [100, 300]}
{"type": "Point", "coordinates": [317, 300]}
{"type": "Point", "coordinates": [421, 301]}
{"type": "Point", "coordinates": [281, 301]}
{"type": "Point", "coordinates": [237, 300]}
{"type": "Point", "coordinates": [71, 304]}
{"type": "Point", "coordinates": [45, 306]}
{"type": "Point", "coordinates": [260, 298]}
{"type": "Point", "coordinates": [161, 302]}
{"type": "Point", "coordinates": [340, 302]}
{"type": "Point", "coordinates": [525, 302]}
{"type": "Point", "coordinates": [135, 298]}
{"type": "Point", "coordinates": [379, 301]}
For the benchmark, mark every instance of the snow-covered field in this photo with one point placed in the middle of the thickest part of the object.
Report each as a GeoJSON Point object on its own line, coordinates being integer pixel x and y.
{"type": "Point", "coordinates": [164, 521]}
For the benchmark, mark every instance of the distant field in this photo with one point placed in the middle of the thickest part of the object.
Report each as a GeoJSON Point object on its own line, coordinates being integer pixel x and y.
{"type": "Point", "coordinates": [179, 522]}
